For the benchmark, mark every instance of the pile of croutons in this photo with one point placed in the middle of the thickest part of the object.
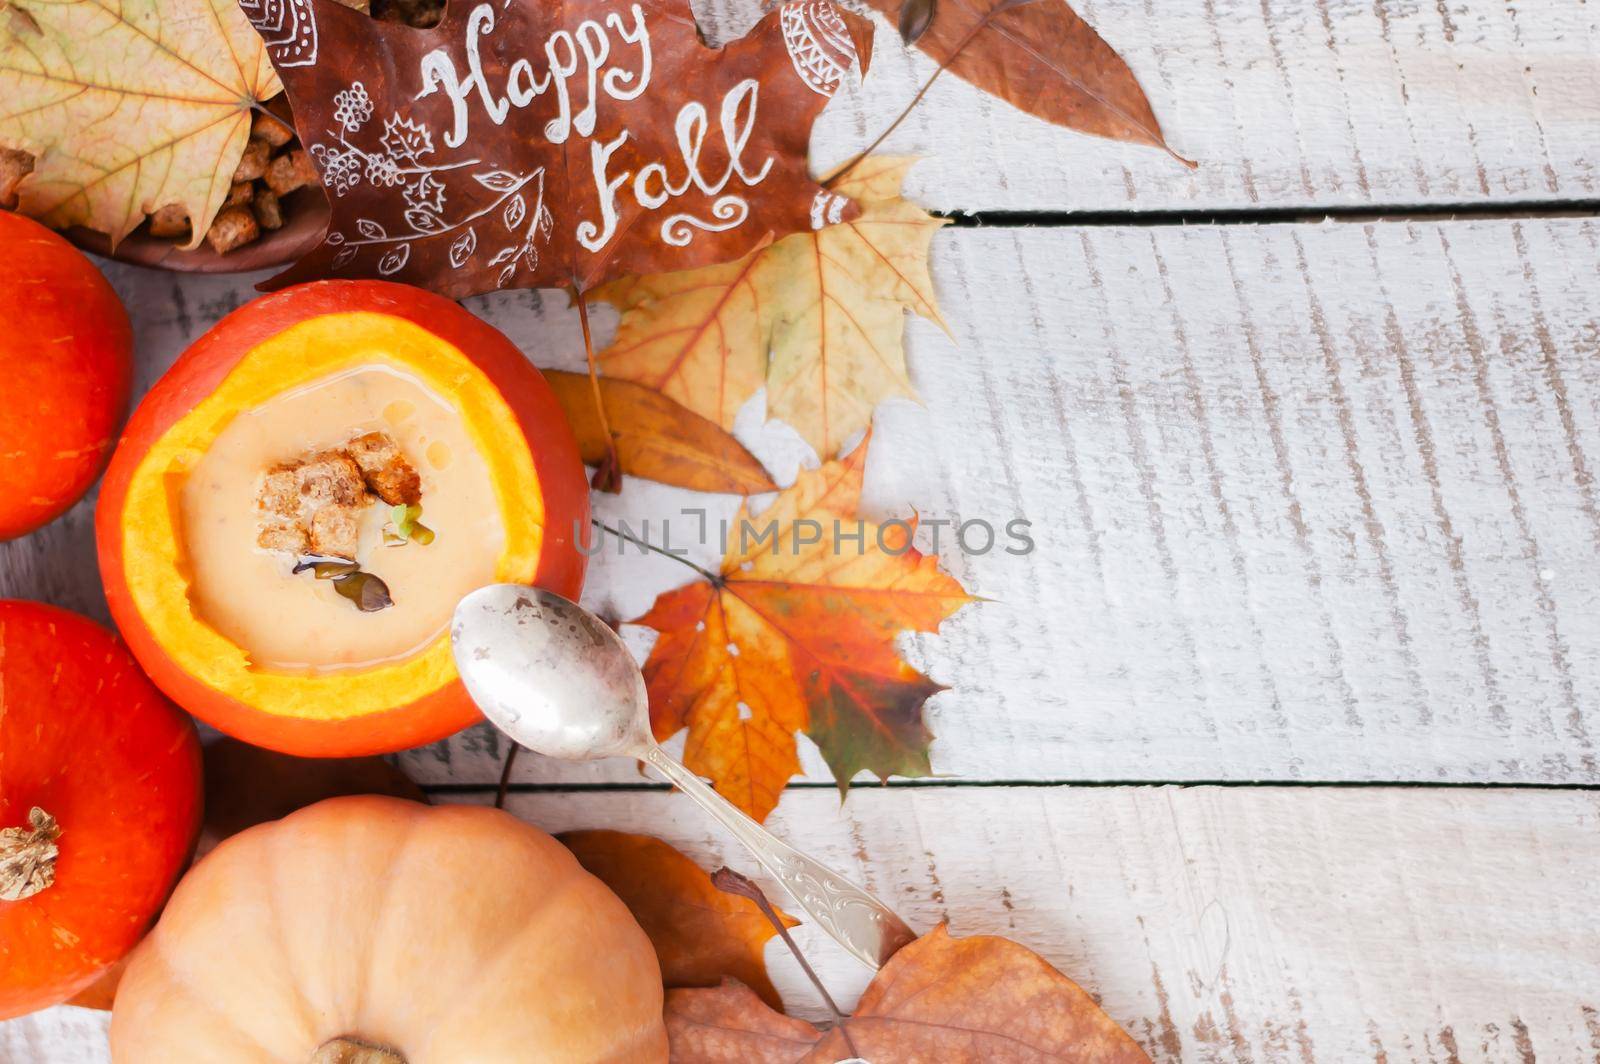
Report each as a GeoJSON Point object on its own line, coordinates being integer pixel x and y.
{"type": "Point", "coordinates": [312, 506]}
{"type": "Point", "coordinates": [272, 168]}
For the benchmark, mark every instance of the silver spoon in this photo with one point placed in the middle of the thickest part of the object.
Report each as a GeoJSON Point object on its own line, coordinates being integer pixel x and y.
{"type": "Point", "coordinates": [558, 680]}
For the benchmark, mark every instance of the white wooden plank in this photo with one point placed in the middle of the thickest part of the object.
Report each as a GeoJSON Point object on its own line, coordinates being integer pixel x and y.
{"type": "Point", "coordinates": [1236, 924]}
{"type": "Point", "coordinates": [1311, 502]}
{"type": "Point", "coordinates": [1310, 103]}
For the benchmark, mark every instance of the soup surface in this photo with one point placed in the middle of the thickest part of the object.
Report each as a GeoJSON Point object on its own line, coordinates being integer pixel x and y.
{"type": "Point", "coordinates": [295, 622]}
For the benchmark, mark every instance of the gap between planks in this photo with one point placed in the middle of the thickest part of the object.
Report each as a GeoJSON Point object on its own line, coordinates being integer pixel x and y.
{"type": "Point", "coordinates": [1069, 219]}
{"type": "Point", "coordinates": [457, 790]}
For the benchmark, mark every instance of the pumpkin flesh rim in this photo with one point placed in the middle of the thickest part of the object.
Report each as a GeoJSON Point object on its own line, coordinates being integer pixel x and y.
{"type": "Point", "coordinates": [310, 350]}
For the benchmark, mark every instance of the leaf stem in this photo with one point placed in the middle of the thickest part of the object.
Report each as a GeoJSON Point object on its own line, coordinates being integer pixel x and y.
{"type": "Point", "coordinates": [505, 775]}
{"type": "Point", "coordinates": [728, 881]}
{"type": "Point", "coordinates": [609, 476]}
{"type": "Point", "coordinates": [647, 545]}
{"type": "Point", "coordinates": [977, 28]}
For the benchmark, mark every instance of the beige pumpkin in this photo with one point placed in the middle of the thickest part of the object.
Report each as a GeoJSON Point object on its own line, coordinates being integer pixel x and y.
{"type": "Point", "coordinates": [383, 931]}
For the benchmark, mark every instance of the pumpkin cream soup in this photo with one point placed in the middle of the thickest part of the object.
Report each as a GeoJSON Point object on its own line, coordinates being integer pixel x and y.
{"type": "Point", "coordinates": [336, 525]}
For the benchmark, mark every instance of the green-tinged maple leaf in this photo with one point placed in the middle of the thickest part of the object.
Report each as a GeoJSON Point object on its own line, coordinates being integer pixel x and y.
{"type": "Point", "coordinates": [797, 633]}
{"type": "Point", "coordinates": [129, 106]}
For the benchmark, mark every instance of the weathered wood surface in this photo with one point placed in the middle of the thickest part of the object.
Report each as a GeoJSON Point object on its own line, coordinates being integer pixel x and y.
{"type": "Point", "coordinates": [1216, 924]}
{"type": "Point", "coordinates": [1299, 104]}
{"type": "Point", "coordinates": [1310, 502]}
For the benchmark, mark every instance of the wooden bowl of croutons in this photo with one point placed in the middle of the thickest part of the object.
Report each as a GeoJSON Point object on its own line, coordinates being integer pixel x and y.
{"type": "Point", "coordinates": [306, 220]}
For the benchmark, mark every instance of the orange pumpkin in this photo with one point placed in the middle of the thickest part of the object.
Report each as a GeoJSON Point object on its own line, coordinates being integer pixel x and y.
{"type": "Point", "coordinates": [427, 934]}
{"type": "Point", "coordinates": [281, 348]}
{"type": "Point", "coordinates": [66, 363]}
{"type": "Point", "coordinates": [99, 803]}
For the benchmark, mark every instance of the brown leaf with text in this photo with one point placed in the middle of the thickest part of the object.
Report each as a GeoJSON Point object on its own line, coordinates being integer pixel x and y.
{"type": "Point", "coordinates": [977, 1000]}
{"type": "Point", "coordinates": [128, 107]}
{"type": "Point", "coordinates": [522, 144]}
{"type": "Point", "coordinates": [1042, 57]}
{"type": "Point", "coordinates": [796, 633]}
{"type": "Point", "coordinates": [701, 934]}
{"type": "Point", "coordinates": [656, 438]}
{"type": "Point", "coordinates": [819, 318]}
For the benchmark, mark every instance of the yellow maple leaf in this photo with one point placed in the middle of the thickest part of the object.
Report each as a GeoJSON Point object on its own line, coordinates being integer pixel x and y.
{"type": "Point", "coordinates": [129, 107]}
{"type": "Point", "coordinates": [796, 632]}
{"type": "Point", "coordinates": [696, 336]}
{"type": "Point", "coordinates": [816, 317]}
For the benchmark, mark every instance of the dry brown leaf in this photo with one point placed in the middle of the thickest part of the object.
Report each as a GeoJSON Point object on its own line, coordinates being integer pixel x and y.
{"type": "Point", "coordinates": [729, 1024]}
{"type": "Point", "coordinates": [129, 106]}
{"type": "Point", "coordinates": [817, 317]}
{"type": "Point", "coordinates": [701, 934]}
{"type": "Point", "coordinates": [797, 633]}
{"type": "Point", "coordinates": [977, 1000]}
{"type": "Point", "coordinates": [1041, 57]}
{"type": "Point", "coordinates": [657, 438]}
{"type": "Point", "coordinates": [915, 18]}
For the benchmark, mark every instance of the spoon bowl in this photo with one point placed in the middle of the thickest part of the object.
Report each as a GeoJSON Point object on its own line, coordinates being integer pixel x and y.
{"type": "Point", "coordinates": [550, 674]}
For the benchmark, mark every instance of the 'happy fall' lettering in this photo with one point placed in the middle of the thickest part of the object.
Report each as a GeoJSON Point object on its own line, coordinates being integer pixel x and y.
{"type": "Point", "coordinates": [610, 59]}
{"type": "Point", "coordinates": [737, 121]}
{"type": "Point", "coordinates": [586, 49]}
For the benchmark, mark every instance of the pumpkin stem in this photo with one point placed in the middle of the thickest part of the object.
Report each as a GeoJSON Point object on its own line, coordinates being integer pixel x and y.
{"type": "Point", "coordinates": [354, 1051]}
{"type": "Point", "coordinates": [28, 856]}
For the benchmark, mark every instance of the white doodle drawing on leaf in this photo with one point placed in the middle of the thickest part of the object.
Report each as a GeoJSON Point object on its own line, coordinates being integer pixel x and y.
{"type": "Point", "coordinates": [405, 158]}
{"type": "Point", "coordinates": [352, 107]}
{"type": "Point", "coordinates": [540, 226]}
{"type": "Point", "coordinates": [463, 248]}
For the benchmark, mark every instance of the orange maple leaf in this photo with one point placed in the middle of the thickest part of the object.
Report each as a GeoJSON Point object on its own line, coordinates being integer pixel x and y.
{"type": "Point", "coordinates": [796, 632]}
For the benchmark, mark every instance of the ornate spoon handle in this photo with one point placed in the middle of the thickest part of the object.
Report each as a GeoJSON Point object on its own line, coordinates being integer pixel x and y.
{"type": "Point", "coordinates": [862, 924]}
